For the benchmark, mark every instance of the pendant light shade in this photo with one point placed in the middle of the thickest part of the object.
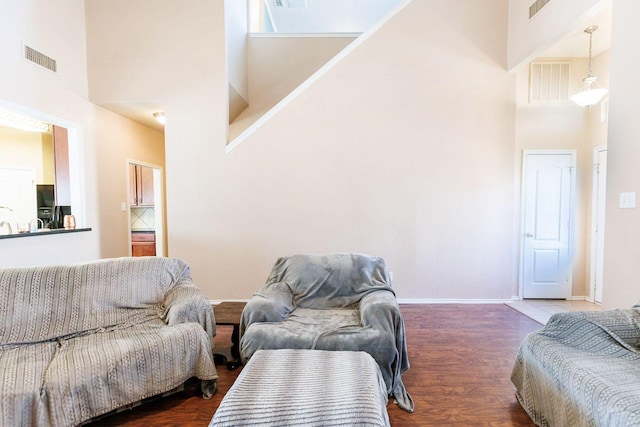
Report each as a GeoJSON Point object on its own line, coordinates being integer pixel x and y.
{"type": "Point", "coordinates": [591, 92]}
{"type": "Point", "coordinates": [159, 116]}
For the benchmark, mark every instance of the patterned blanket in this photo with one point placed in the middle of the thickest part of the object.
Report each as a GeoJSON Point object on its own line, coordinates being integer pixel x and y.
{"type": "Point", "coordinates": [80, 341]}
{"type": "Point", "coordinates": [306, 388]}
{"type": "Point", "coordinates": [582, 369]}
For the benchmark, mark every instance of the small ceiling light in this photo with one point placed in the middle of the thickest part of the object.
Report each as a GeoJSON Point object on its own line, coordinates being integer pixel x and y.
{"type": "Point", "coordinates": [22, 122]}
{"type": "Point", "coordinates": [159, 116]}
{"type": "Point", "coordinates": [589, 95]}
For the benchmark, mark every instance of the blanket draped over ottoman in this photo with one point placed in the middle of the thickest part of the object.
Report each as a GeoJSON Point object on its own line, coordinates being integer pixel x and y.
{"type": "Point", "coordinates": [306, 388]}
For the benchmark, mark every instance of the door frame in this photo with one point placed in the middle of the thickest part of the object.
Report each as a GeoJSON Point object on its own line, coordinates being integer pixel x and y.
{"type": "Point", "coordinates": [595, 204]}
{"type": "Point", "coordinates": [159, 205]}
{"type": "Point", "coordinates": [572, 219]}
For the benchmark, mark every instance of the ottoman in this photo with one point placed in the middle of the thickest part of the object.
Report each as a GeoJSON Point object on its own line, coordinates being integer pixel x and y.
{"type": "Point", "coordinates": [306, 387]}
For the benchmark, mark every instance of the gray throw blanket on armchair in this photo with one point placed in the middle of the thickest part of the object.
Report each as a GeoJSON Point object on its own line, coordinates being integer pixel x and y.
{"type": "Point", "coordinates": [340, 302]}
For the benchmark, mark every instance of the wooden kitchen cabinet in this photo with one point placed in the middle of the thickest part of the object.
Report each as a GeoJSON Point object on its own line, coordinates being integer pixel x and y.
{"type": "Point", "coordinates": [143, 244]}
{"type": "Point", "coordinates": [140, 185]}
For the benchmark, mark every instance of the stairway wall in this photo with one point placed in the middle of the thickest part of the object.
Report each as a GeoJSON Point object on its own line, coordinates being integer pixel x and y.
{"type": "Point", "coordinates": [276, 66]}
{"type": "Point", "coordinates": [403, 149]}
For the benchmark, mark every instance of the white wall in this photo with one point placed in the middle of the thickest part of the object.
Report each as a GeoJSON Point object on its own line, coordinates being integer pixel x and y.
{"type": "Point", "coordinates": [622, 235]}
{"type": "Point", "coordinates": [395, 151]}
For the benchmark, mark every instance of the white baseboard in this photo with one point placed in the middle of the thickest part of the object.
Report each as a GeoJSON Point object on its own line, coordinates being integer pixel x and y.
{"type": "Point", "coordinates": [218, 301]}
{"type": "Point", "coordinates": [579, 298]}
{"type": "Point", "coordinates": [452, 301]}
{"type": "Point", "coordinates": [415, 301]}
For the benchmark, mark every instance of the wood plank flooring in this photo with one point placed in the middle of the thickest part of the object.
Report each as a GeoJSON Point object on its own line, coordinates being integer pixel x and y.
{"type": "Point", "coordinates": [461, 357]}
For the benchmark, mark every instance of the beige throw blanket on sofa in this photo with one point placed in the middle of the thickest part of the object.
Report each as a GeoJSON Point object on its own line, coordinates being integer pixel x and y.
{"type": "Point", "coordinates": [79, 341]}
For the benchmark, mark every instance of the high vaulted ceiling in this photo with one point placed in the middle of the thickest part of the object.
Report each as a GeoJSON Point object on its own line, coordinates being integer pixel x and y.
{"type": "Point", "coordinates": [575, 44]}
{"type": "Point", "coordinates": [326, 16]}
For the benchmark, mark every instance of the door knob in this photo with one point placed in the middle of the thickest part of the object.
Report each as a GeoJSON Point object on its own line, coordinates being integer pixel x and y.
{"type": "Point", "coordinates": [529, 234]}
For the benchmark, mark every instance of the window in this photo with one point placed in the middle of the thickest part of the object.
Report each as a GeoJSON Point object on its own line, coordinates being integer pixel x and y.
{"type": "Point", "coordinates": [317, 16]}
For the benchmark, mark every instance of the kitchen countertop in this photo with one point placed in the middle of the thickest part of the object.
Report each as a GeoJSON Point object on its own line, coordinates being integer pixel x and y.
{"type": "Point", "coordinates": [44, 233]}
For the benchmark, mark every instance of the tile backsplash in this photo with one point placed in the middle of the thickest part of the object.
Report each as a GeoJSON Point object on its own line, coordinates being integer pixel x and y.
{"type": "Point", "coordinates": [143, 219]}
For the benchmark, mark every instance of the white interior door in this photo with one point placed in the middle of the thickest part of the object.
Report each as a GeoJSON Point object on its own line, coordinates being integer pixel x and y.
{"type": "Point", "coordinates": [548, 199]}
{"type": "Point", "coordinates": [597, 239]}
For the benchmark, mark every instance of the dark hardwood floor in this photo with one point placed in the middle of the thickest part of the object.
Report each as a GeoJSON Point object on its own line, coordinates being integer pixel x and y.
{"type": "Point", "coordinates": [461, 357]}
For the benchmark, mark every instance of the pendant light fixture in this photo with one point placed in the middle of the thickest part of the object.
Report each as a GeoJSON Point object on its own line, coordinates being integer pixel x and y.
{"type": "Point", "coordinates": [159, 116]}
{"type": "Point", "coordinates": [591, 92]}
{"type": "Point", "coordinates": [22, 122]}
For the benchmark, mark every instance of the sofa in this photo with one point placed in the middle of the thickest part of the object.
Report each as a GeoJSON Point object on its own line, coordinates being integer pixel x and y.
{"type": "Point", "coordinates": [79, 341]}
{"type": "Point", "coordinates": [582, 369]}
{"type": "Point", "coordinates": [336, 302]}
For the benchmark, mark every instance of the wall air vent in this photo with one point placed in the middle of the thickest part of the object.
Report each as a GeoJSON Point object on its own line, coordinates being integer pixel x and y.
{"type": "Point", "coordinates": [536, 7]}
{"type": "Point", "coordinates": [39, 58]}
{"type": "Point", "coordinates": [549, 81]}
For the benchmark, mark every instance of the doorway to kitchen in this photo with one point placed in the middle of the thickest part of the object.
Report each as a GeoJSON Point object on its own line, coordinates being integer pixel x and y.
{"type": "Point", "coordinates": [147, 228]}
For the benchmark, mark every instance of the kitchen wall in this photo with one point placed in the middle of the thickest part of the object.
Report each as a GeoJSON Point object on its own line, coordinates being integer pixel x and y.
{"type": "Point", "coordinates": [143, 219]}
{"type": "Point", "coordinates": [29, 150]}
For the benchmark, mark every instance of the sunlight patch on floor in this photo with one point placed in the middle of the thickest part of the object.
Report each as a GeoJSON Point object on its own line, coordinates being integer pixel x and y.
{"type": "Point", "coordinates": [541, 310]}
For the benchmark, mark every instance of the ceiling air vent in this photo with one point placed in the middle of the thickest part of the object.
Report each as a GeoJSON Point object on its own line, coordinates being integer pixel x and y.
{"type": "Point", "coordinates": [536, 7]}
{"type": "Point", "coordinates": [39, 58]}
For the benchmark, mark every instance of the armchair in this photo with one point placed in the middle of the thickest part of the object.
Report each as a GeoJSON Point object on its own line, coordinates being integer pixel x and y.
{"type": "Point", "coordinates": [339, 302]}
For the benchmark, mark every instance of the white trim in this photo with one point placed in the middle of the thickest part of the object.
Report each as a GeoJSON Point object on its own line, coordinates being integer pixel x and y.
{"type": "Point", "coordinates": [158, 207]}
{"type": "Point", "coordinates": [579, 298]}
{"type": "Point", "coordinates": [451, 301]}
{"type": "Point", "coordinates": [594, 222]}
{"type": "Point", "coordinates": [218, 301]}
{"type": "Point", "coordinates": [302, 35]}
{"type": "Point", "coordinates": [312, 79]}
{"type": "Point", "coordinates": [414, 301]}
